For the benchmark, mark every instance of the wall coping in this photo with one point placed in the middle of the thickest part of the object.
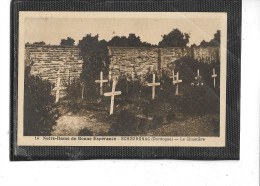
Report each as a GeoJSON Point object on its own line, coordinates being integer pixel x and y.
{"type": "Point", "coordinates": [50, 46]}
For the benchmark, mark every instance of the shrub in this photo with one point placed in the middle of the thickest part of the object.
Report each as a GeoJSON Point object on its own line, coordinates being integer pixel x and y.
{"type": "Point", "coordinates": [171, 116]}
{"type": "Point", "coordinates": [126, 124]}
{"type": "Point", "coordinates": [85, 132]}
{"type": "Point", "coordinates": [73, 95]}
{"type": "Point", "coordinates": [40, 112]}
{"type": "Point", "coordinates": [157, 121]}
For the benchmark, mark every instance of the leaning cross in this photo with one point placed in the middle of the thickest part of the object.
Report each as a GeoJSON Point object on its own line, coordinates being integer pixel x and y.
{"type": "Point", "coordinates": [177, 81]}
{"type": "Point", "coordinates": [214, 75]}
{"type": "Point", "coordinates": [153, 84]}
{"type": "Point", "coordinates": [112, 94]}
{"type": "Point", "coordinates": [101, 81]}
{"type": "Point", "coordinates": [199, 78]}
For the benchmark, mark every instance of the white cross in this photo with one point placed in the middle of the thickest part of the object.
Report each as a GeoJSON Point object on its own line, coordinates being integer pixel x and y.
{"type": "Point", "coordinates": [199, 78]}
{"type": "Point", "coordinates": [109, 76]}
{"type": "Point", "coordinates": [58, 88]}
{"type": "Point", "coordinates": [176, 81]}
{"type": "Point", "coordinates": [153, 84]}
{"type": "Point", "coordinates": [112, 94]}
{"type": "Point", "coordinates": [173, 77]}
{"type": "Point", "coordinates": [101, 81]}
{"type": "Point", "coordinates": [214, 75]}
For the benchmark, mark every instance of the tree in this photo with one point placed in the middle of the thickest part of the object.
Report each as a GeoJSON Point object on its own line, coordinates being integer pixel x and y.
{"type": "Point", "coordinates": [39, 43]}
{"type": "Point", "coordinates": [40, 112]}
{"type": "Point", "coordinates": [69, 41]}
{"type": "Point", "coordinates": [131, 41]}
{"type": "Point", "coordinates": [175, 39]}
{"type": "Point", "coordinates": [95, 57]}
{"type": "Point", "coordinates": [213, 42]}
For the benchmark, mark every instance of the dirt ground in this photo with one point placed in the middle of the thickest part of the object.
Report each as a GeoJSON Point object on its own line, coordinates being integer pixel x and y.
{"type": "Point", "coordinates": [70, 124]}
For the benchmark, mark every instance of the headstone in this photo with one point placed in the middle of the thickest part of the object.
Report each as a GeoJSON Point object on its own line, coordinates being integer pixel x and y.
{"type": "Point", "coordinates": [101, 81]}
{"type": "Point", "coordinates": [214, 75]}
{"type": "Point", "coordinates": [112, 94]}
{"type": "Point", "coordinates": [153, 84]}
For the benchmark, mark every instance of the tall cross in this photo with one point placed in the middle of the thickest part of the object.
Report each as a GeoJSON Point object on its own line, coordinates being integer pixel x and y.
{"type": "Point", "coordinates": [101, 81]}
{"type": "Point", "coordinates": [58, 88]}
{"type": "Point", "coordinates": [153, 84]}
{"type": "Point", "coordinates": [199, 78]}
{"type": "Point", "coordinates": [112, 94]}
{"type": "Point", "coordinates": [177, 81]}
{"type": "Point", "coordinates": [214, 75]}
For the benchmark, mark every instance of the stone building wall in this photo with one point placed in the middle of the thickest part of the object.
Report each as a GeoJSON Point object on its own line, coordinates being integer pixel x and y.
{"type": "Point", "coordinates": [47, 60]}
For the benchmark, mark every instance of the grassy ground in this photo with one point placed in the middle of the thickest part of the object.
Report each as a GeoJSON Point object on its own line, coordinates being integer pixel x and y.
{"type": "Point", "coordinates": [136, 116]}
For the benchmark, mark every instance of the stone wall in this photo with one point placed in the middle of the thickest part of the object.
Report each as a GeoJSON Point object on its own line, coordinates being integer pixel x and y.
{"type": "Point", "coordinates": [138, 60]}
{"type": "Point", "coordinates": [47, 60]}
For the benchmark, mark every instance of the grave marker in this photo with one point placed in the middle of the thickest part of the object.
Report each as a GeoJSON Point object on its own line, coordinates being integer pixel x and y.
{"type": "Point", "coordinates": [109, 76]}
{"type": "Point", "coordinates": [214, 75]}
{"type": "Point", "coordinates": [58, 88]}
{"type": "Point", "coordinates": [112, 94]}
{"type": "Point", "coordinates": [177, 81]}
{"type": "Point", "coordinates": [153, 84]}
{"type": "Point", "coordinates": [199, 78]}
{"type": "Point", "coordinates": [101, 81]}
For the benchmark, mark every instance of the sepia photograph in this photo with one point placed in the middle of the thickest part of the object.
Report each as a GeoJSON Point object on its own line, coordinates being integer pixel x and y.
{"type": "Point", "coordinates": [130, 79]}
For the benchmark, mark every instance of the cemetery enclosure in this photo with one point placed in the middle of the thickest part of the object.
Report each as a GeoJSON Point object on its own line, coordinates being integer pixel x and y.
{"type": "Point", "coordinates": [145, 112]}
{"type": "Point", "coordinates": [47, 60]}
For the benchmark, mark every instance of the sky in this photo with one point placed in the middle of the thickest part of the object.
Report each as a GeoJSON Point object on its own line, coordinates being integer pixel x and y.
{"type": "Point", "coordinates": [52, 30]}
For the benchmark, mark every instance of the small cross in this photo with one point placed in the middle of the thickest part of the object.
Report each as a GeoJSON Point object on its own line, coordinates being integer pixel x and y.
{"type": "Point", "coordinates": [199, 78]}
{"type": "Point", "coordinates": [177, 81]}
{"type": "Point", "coordinates": [153, 84]}
{"type": "Point", "coordinates": [173, 77]}
{"type": "Point", "coordinates": [214, 75]}
{"type": "Point", "coordinates": [112, 94]}
{"type": "Point", "coordinates": [110, 76]}
{"type": "Point", "coordinates": [58, 88]}
{"type": "Point", "coordinates": [101, 81]}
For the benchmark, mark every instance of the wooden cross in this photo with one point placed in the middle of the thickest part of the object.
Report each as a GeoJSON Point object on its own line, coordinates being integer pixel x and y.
{"type": "Point", "coordinates": [199, 78]}
{"type": "Point", "coordinates": [112, 94]}
{"type": "Point", "coordinates": [214, 75]}
{"type": "Point", "coordinates": [173, 77]}
{"type": "Point", "coordinates": [177, 81]}
{"type": "Point", "coordinates": [58, 88]}
{"type": "Point", "coordinates": [153, 84]}
{"type": "Point", "coordinates": [109, 76]}
{"type": "Point", "coordinates": [101, 81]}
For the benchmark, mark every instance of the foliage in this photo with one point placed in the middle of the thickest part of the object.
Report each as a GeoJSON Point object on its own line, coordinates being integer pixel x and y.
{"type": "Point", "coordinates": [213, 42]}
{"type": "Point", "coordinates": [40, 112]}
{"type": "Point", "coordinates": [95, 57]}
{"type": "Point", "coordinates": [69, 41]}
{"type": "Point", "coordinates": [131, 41]}
{"type": "Point", "coordinates": [175, 39]}
{"type": "Point", "coordinates": [73, 95]}
{"type": "Point", "coordinates": [126, 124]}
{"type": "Point", "coordinates": [39, 43]}
{"type": "Point", "coordinates": [85, 132]}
